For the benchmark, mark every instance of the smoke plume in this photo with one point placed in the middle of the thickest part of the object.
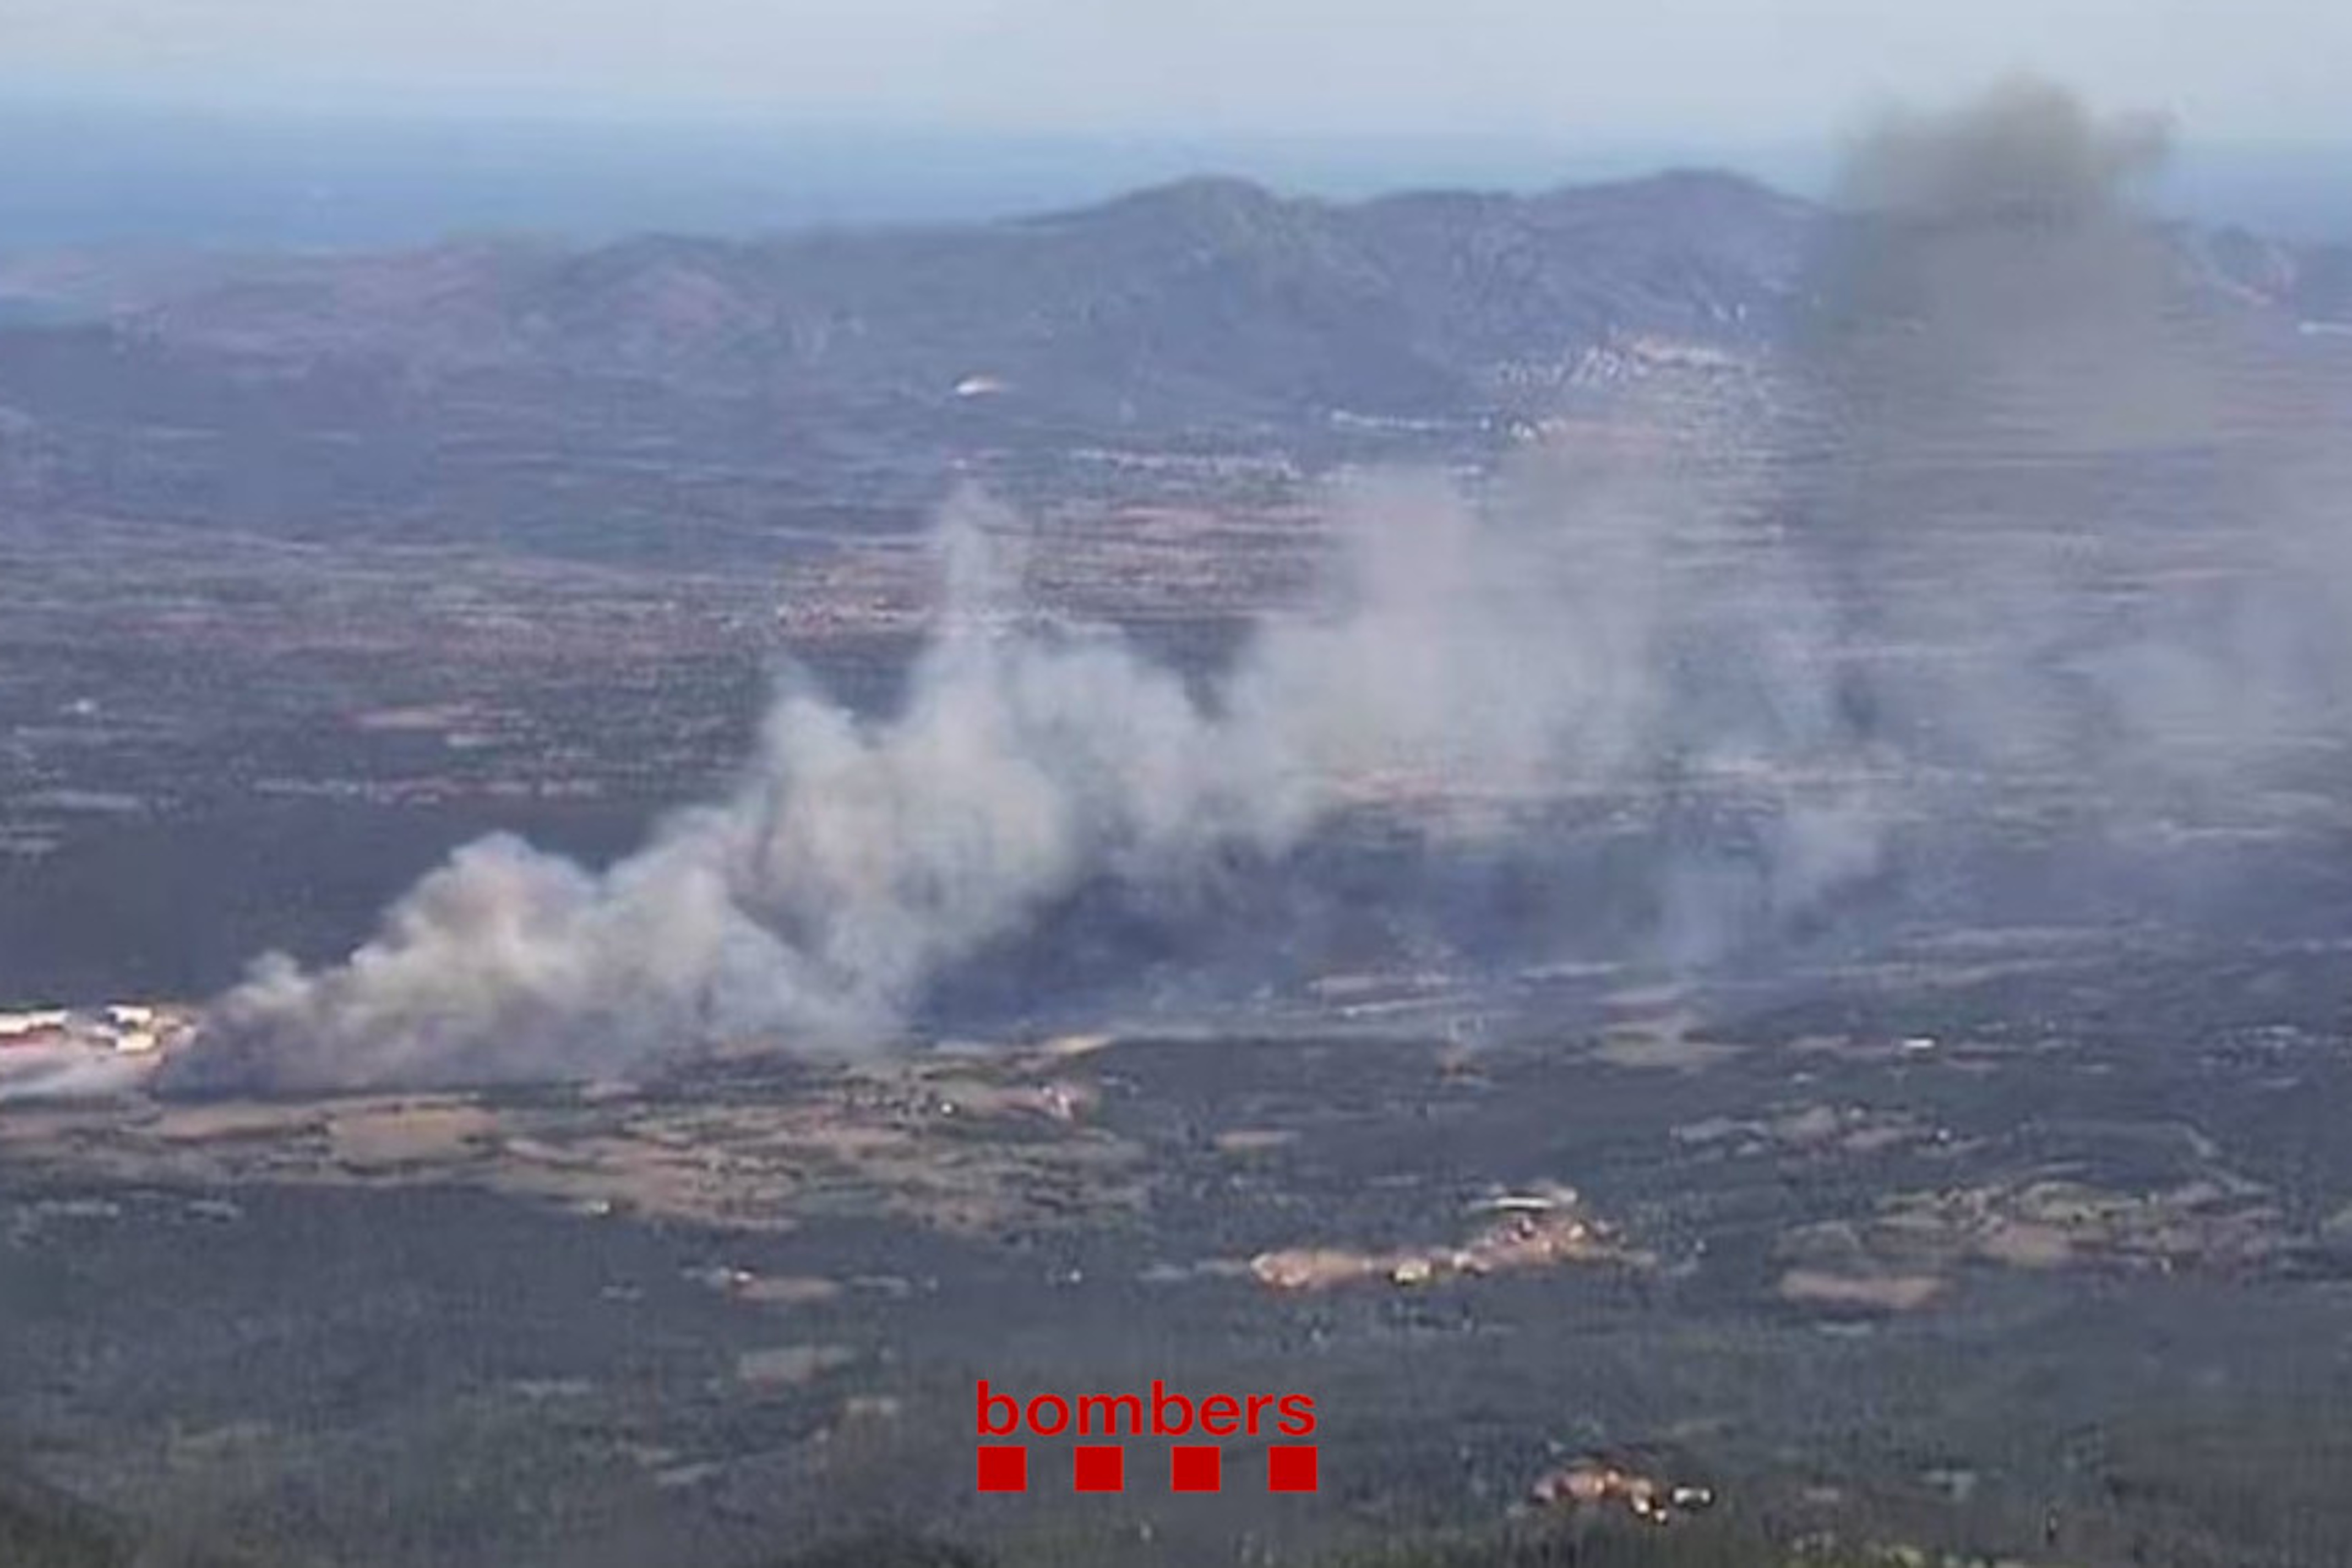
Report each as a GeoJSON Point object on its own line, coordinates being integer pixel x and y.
{"type": "Point", "coordinates": [1944, 572]}
{"type": "Point", "coordinates": [2061, 462]}
{"type": "Point", "coordinates": [858, 859]}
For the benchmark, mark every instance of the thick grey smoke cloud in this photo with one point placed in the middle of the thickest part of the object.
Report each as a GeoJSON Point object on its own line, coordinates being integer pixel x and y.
{"type": "Point", "coordinates": [1956, 564]}
{"type": "Point", "coordinates": [2026, 152]}
{"type": "Point", "coordinates": [1999, 282]}
{"type": "Point", "coordinates": [2058, 464]}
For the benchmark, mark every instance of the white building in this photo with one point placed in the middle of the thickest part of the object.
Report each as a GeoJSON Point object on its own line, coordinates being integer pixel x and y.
{"type": "Point", "coordinates": [42, 1021]}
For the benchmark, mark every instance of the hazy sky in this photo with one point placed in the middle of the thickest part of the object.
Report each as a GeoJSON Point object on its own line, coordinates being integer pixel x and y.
{"type": "Point", "coordinates": [1685, 69]}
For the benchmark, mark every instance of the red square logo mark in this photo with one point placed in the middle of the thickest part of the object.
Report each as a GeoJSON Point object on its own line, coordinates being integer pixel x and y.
{"type": "Point", "coordinates": [1290, 1468]}
{"type": "Point", "coordinates": [1004, 1468]}
{"type": "Point", "coordinates": [1192, 1468]}
{"type": "Point", "coordinates": [1098, 1468]}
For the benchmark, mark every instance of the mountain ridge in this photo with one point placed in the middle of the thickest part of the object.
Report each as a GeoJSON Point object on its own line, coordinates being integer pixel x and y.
{"type": "Point", "coordinates": [1193, 300]}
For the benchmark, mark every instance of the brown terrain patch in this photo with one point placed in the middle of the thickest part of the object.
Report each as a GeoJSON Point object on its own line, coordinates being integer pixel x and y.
{"type": "Point", "coordinates": [790, 1366]}
{"type": "Point", "coordinates": [426, 1134]}
{"type": "Point", "coordinates": [1661, 1044]}
{"type": "Point", "coordinates": [967, 1145]}
{"type": "Point", "coordinates": [2031, 1220]}
{"type": "Point", "coordinates": [1876, 1292]}
{"type": "Point", "coordinates": [1253, 1140]}
{"type": "Point", "coordinates": [1540, 1233]}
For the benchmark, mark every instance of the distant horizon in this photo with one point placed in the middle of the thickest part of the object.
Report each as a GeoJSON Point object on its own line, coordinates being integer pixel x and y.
{"type": "Point", "coordinates": [129, 172]}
